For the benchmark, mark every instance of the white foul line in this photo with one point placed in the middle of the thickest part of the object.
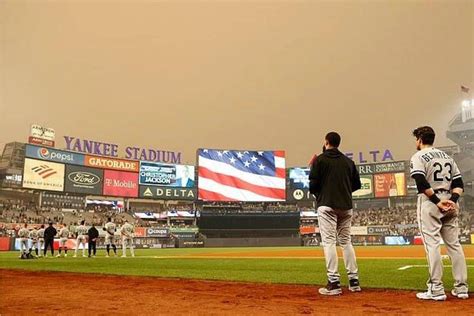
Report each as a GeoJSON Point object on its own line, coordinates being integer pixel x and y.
{"type": "Point", "coordinates": [425, 266]}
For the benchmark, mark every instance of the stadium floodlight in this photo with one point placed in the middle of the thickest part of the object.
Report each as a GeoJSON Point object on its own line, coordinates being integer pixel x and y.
{"type": "Point", "coordinates": [466, 103]}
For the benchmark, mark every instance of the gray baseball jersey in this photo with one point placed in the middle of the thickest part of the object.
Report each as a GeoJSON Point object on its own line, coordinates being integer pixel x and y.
{"type": "Point", "coordinates": [34, 234]}
{"type": "Point", "coordinates": [23, 233]}
{"type": "Point", "coordinates": [128, 230]}
{"type": "Point", "coordinates": [64, 233]}
{"type": "Point", "coordinates": [81, 230]}
{"type": "Point", "coordinates": [110, 228]}
{"type": "Point", "coordinates": [41, 233]}
{"type": "Point", "coordinates": [440, 170]}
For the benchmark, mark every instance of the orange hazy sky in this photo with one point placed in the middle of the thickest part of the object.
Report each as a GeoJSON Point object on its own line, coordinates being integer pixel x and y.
{"type": "Point", "coordinates": [180, 75]}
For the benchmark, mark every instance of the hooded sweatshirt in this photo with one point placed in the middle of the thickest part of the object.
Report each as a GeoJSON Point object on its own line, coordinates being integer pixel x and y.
{"type": "Point", "coordinates": [333, 178]}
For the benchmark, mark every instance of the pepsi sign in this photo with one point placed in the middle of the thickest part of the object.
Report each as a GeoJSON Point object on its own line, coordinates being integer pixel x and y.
{"type": "Point", "coordinates": [51, 154]}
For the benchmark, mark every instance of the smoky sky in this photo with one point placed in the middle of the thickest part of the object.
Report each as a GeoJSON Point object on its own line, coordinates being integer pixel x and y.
{"type": "Point", "coordinates": [175, 75]}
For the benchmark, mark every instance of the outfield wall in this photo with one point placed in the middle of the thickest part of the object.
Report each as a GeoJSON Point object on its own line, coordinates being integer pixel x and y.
{"type": "Point", "coordinates": [253, 242]}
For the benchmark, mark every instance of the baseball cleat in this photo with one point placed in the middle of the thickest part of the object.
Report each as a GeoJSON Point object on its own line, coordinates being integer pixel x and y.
{"type": "Point", "coordinates": [75, 256]}
{"type": "Point", "coordinates": [107, 256]}
{"type": "Point", "coordinates": [429, 296]}
{"type": "Point", "coordinates": [124, 256]}
{"type": "Point", "coordinates": [65, 255]}
{"type": "Point", "coordinates": [354, 285]}
{"type": "Point", "coordinates": [332, 288]}
{"type": "Point", "coordinates": [57, 256]}
{"type": "Point", "coordinates": [461, 295]}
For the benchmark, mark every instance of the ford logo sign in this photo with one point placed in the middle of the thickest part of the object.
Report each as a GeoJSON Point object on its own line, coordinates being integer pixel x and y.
{"type": "Point", "coordinates": [80, 177]}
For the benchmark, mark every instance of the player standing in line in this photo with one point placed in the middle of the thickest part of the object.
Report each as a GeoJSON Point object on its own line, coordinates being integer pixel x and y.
{"type": "Point", "coordinates": [332, 179]}
{"type": "Point", "coordinates": [23, 233]}
{"type": "Point", "coordinates": [63, 237]}
{"type": "Point", "coordinates": [81, 233]}
{"type": "Point", "coordinates": [110, 230]}
{"type": "Point", "coordinates": [40, 244]}
{"type": "Point", "coordinates": [34, 240]}
{"type": "Point", "coordinates": [440, 185]}
{"type": "Point", "coordinates": [127, 233]}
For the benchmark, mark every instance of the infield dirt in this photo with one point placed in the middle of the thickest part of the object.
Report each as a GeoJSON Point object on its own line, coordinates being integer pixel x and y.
{"type": "Point", "coordinates": [53, 293]}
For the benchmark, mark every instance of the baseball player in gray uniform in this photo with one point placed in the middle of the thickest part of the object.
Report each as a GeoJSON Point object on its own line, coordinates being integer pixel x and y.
{"type": "Point", "coordinates": [110, 230]}
{"type": "Point", "coordinates": [23, 233]}
{"type": "Point", "coordinates": [127, 233]}
{"type": "Point", "coordinates": [40, 244]}
{"type": "Point", "coordinates": [34, 240]}
{"type": "Point", "coordinates": [63, 237]}
{"type": "Point", "coordinates": [81, 234]}
{"type": "Point", "coordinates": [440, 185]}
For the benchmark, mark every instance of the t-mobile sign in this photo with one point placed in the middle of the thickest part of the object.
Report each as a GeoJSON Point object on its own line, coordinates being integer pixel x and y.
{"type": "Point", "coordinates": [120, 183]}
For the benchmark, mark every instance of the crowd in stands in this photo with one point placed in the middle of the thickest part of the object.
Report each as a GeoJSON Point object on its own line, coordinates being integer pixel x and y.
{"type": "Point", "coordinates": [402, 221]}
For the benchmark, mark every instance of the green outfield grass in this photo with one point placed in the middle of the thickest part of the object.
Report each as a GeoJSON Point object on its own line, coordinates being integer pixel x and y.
{"type": "Point", "coordinates": [172, 263]}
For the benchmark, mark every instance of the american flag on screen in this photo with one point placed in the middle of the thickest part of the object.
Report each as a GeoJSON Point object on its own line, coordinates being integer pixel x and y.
{"type": "Point", "coordinates": [250, 176]}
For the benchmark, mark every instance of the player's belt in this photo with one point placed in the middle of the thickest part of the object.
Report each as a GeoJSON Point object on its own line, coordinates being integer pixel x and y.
{"type": "Point", "coordinates": [441, 191]}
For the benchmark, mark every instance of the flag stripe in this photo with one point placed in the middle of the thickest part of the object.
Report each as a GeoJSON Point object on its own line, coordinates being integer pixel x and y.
{"type": "Point", "coordinates": [213, 196]}
{"type": "Point", "coordinates": [279, 162]}
{"type": "Point", "coordinates": [223, 168]}
{"type": "Point", "coordinates": [234, 193]}
{"type": "Point", "coordinates": [240, 184]}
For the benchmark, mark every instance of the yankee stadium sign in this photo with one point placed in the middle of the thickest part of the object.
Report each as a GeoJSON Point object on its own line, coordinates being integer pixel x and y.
{"type": "Point", "coordinates": [112, 150]}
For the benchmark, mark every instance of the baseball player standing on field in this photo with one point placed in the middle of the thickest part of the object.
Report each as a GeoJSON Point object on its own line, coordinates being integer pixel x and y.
{"type": "Point", "coordinates": [63, 237]}
{"type": "Point", "coordinates": [333, 178]}
{"type": "Point", "coordinates": [110, 230]}
{"type": "Point", "coordinates": [440, 185]}
{"type": "Point", "coordinates": [127, 233]}
{"type": "Point", "coordinates": [34, 240]}
{"type": "Point", "coordinates": [49, 234]}
{"type": "Point", "coordinates": [23, 233]}
{"type": "Point", "coordinates": [81, 233]}
{"type": "Point", "coordinates": [40, 244]}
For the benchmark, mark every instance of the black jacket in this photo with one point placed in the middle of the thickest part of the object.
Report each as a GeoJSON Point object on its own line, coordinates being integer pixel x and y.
{"type": "Point", "coordinates": [93, 233]}
{"type": "Point", "coordinates": [333, 178]}
{"type": "Point", "coordinates": [49, 232]}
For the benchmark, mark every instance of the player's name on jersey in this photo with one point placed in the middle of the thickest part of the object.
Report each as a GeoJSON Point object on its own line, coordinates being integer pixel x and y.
{"type": "Point", "coordinates": [435, 154]}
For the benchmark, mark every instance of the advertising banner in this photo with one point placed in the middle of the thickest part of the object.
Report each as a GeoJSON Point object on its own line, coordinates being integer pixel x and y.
{"type": "Point", "coordinates": [367, 240]}
{"type": "Point", "coordinates": [43, 175]}
{"type": "Point", "coordinates": [299, 178]}
{"type": "Point", "coordinates": [140, 232]}
{"type": "Point", "coordinates": [378, 230]}
{"type": "Point", "coordinates": [40, 141]}
{"type": "Point", "coordinates": [165, 175]}
{"type": "Point", "coordinates": [387, 167]}
{"type": "Point", "coordinates": [164, 193]}
{"type": "Point", "coordinates": [359, 230]}
{"type": "Point", "coordinates": [308, 230]}
{"type": "Point", "coordinates": [111, 163]}
{"type": "Point", "coordinates": [295, 195]}
{"type": "Point", "coordinates": [398, 240]}
{"type": "Point", "coordinates": [390, 185]}
{"type": "Point", "coordinates": [51, 154]}
{"type": "Point", "coordinates": [119, 183]}
{"type": "Point", "coordinates": [157, 232]}
{"type": "Point", "coordinates": [42, 132]}
{"type": "Point", "coordinates": [83, 180]}
{"type": "Point", "coordinates": [367, 188]}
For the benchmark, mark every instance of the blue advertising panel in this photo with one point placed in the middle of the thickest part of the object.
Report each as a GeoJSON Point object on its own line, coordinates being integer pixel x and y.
{"type": "Point", "coordinates": [158, 174]}
{"type": "Point", "coordinates": [51, 154]}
